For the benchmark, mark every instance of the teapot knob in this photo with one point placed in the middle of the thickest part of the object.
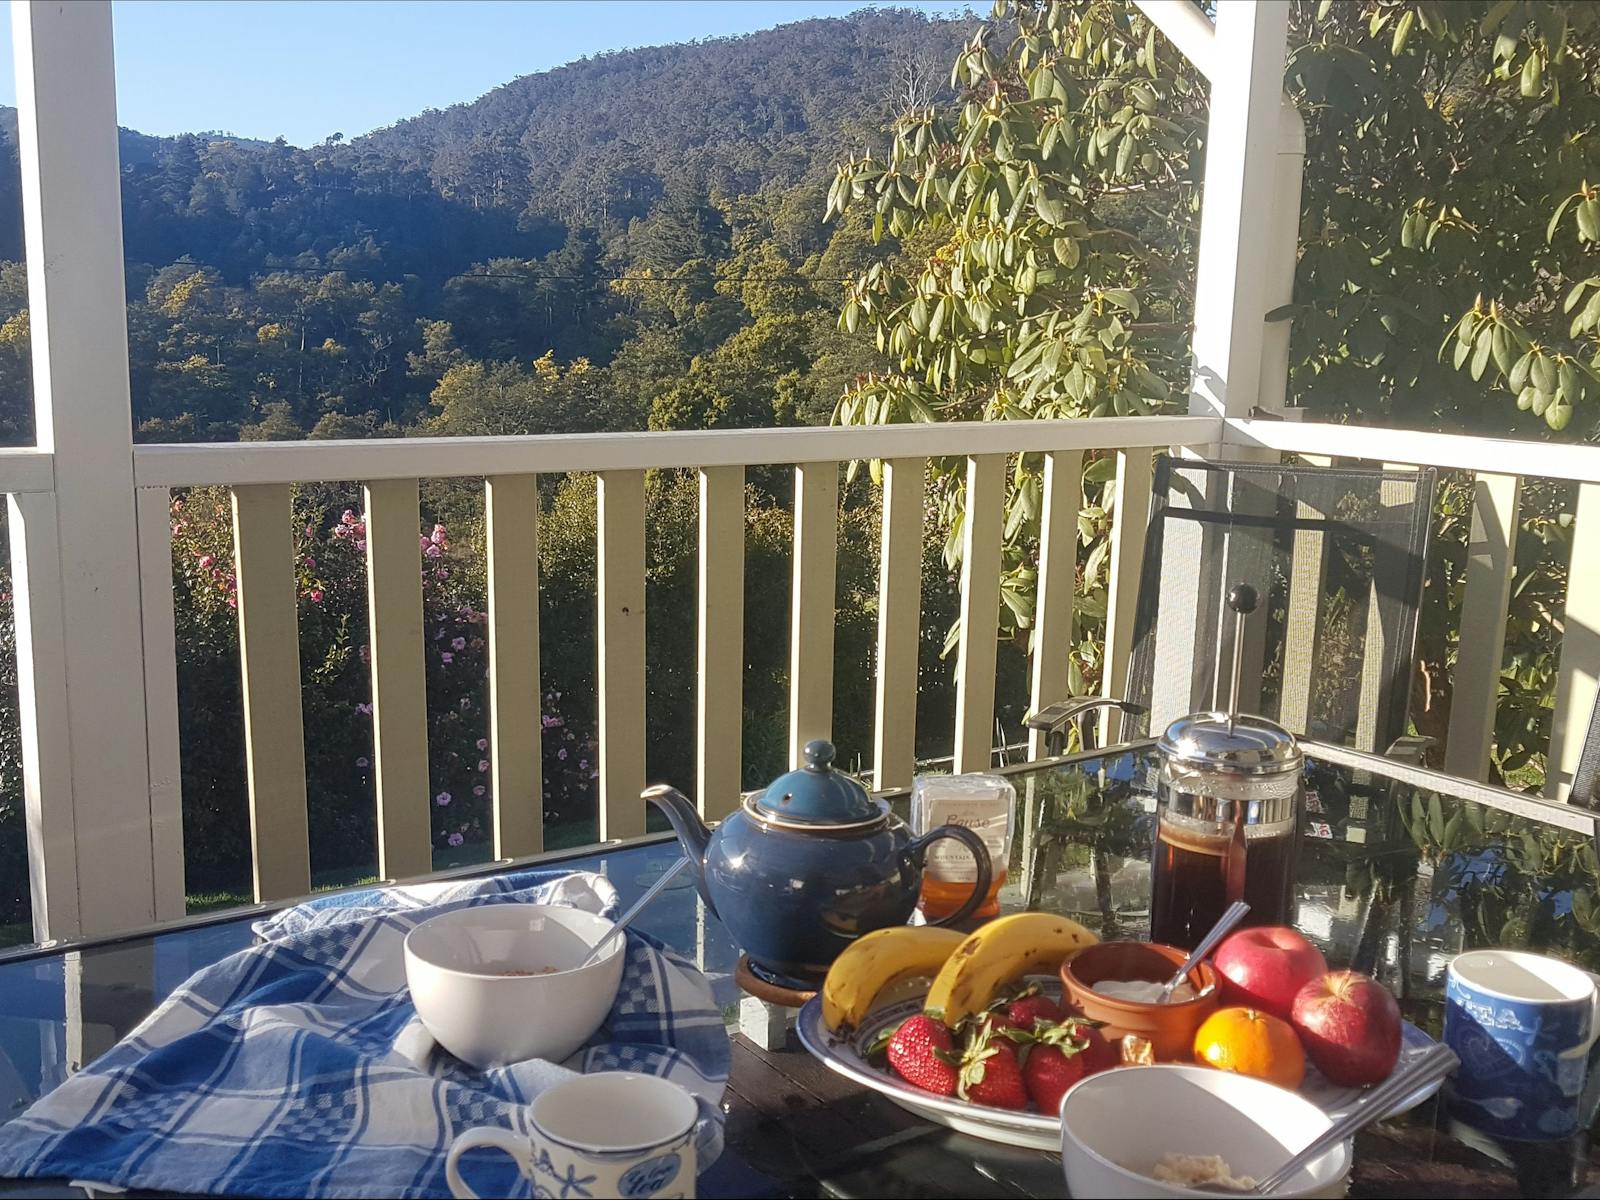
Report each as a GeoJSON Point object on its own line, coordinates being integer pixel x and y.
{"type": "Point", "coordinates": [818, 755]}
{"type": "Point", "coordinates": [1242, 598]}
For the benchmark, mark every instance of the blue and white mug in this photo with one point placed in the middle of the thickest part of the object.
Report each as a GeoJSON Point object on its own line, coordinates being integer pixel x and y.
{"type": "Point", "coordinates": [613, 1133]}
{"type": "Point", "coordinates": [1522, 1025]}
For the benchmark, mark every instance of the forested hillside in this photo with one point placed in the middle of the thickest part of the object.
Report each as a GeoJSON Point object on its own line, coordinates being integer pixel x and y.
{"type": "Point", "coordinates": [643, 208]}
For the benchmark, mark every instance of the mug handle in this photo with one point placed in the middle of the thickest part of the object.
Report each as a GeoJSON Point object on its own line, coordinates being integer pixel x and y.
{"type": "Point", "coordinates": [516, 1145]}
{"type": "Point", "coordinates": [980, 854]}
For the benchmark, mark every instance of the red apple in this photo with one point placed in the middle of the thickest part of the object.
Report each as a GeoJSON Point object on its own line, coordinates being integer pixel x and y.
{"type": "Point", "coordinates": [1349, 1025]}
{"type": "Point", "coordinates": [1265, 967]}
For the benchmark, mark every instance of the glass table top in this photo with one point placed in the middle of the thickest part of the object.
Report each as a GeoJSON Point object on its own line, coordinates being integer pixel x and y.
{"type": "Point", "coordinates": [1399, 870]}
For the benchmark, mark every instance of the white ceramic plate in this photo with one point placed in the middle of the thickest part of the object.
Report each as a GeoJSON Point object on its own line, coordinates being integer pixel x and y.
{"type": "Point", "coordinates": [1033, 1130]}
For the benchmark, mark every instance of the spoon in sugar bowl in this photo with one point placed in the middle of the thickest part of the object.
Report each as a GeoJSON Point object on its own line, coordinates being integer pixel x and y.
{"type": "Point", "coordinates": [1230, 917]}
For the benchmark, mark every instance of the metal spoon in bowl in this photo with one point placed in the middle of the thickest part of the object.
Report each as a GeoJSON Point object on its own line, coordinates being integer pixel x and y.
{"type": "Point", "coordinates": [1426, 1069]}
{"type": "Point", "coordinates": [667, 877]}
{"type": "Point", "coordinates": [1231, 916]}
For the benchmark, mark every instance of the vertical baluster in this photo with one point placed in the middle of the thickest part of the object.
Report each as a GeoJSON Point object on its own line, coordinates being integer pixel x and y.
{"type": "Point", "coordinates": [511, 509]}
{"type": "Point", "coordinates": [620, 515]}
{"type": "Point", "coordinates": [1379, 693]}
{"type": "Point", "coordinates": [1580, 647]}
{"type": "Point", "coordinates": [36, 587]}
{"type": "Point", "coordinates": [981, 535]}
{"type": "Point", "coordinates": [399, 681]}
{"type": "Point", "coordinates": [1058, 577]}
{"type": "Point", "coordinates": [720, 642]}
{"type": "Point", "coordinates": [1130, 521]}
{"type": "Point", "coordinates": [899, 613]}
{"type": "Point", "coordinates": [1475, 682]}
{"type": "Point", "coordinates": [154, 511]}
{"type": "Point", "coordinates": [269, 656]}
{"type": "Point", "coordinates": [816, 536]}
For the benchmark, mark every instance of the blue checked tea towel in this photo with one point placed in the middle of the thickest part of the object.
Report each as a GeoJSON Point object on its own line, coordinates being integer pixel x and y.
{"type": "Point", "coordinates": [298, 1067]}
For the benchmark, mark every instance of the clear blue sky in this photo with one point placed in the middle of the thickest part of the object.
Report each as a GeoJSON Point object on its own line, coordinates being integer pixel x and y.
{"type": "Point", "coordinates": [308, 68]}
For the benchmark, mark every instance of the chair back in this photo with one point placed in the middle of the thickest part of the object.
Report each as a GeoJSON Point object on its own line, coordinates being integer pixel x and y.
{"type": "Point", "coordinates": [1337, 556]}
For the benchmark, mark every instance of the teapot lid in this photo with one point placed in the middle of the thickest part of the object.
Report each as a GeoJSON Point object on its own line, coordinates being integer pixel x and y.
{"type": "Point", "coordinates": [1237, 745]}
{"type": "Point", "coordinates": [816, 794]}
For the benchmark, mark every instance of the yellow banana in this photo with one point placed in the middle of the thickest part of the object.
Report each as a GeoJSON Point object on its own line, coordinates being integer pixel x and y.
{"type": "Point", "coordinates": [881, 958]}
{"type": "Point", "coordinates": [1002, 951]}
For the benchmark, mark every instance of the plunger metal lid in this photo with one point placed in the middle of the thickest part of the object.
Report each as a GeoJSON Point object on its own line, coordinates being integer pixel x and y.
{"type": "Point", "coordinates": [1238, 744]}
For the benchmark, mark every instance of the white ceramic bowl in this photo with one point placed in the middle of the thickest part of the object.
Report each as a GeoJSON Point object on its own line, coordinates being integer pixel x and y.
{"type": "Point", "coordinates": [462, 967]}
{"type": "Point", "coordinates": [1116, 1124]}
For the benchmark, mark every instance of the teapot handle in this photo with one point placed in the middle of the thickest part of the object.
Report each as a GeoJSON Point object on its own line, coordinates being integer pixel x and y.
{"type": "Point", "coordinates": [918, 849]}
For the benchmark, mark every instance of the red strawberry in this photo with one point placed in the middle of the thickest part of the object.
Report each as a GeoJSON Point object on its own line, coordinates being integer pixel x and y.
{"type": "Point", "coordinates": [990, 1072]}
{"type": "Point", "coordinates": [923, 1053]}
{"type": "Point", "coordinates": [1056, 1062]}
{"type": "Point", "coordinates": [1026, 1011]}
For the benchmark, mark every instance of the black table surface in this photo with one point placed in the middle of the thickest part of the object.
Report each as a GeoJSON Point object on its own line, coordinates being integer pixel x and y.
{"type": "Point", "coordinates": [1400, 869]}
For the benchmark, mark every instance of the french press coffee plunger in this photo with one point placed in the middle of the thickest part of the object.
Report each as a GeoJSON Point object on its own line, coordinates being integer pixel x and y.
{"type": "Point", "coordinates": [1229, 794]}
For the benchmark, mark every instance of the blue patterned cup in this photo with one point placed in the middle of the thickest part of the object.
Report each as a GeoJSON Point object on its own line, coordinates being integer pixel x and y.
{"type": "Point", "coordinates": [1522, 1025]}
{"type": "Point", "coordinates": [614, 1133]}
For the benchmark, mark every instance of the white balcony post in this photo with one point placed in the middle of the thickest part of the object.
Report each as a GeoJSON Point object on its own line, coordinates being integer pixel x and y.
{"type": "Point", "coordinates": [72, 211]}
{"type": "Point", "coordinates": [1241, 194]}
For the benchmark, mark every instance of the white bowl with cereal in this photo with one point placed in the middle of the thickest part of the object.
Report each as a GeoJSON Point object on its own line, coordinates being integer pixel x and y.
{"type": "Point", "coordinates": [501, 983]}
{"type": "Point", "coordinates": [1177, 1130]}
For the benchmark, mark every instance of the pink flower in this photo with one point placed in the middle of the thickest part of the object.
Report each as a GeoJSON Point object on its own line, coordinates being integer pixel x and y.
{"type": "Point", "coordinates": [551, 722]}
{"type": "Point", "coordinates": [483, 743]}
{"type": "Point", "coordinates": [232, 601]}
{"type": "Point", "coordinates": [465, 704]}
{"type": "Point", "coordinates": [177, 505]}
{"type": "Point", "coordinates": [583, 764]}
{"type": "Point", "coordinates": [562, 754]}
{"type": "Point", "coordinates": [363, 710]}
{"type": "Point", "coordinates": [316, 595]}
{"type": "Point", "coordinates": [442, 799]}
{"type": "Point", "coordinates": [438, 535]}
{"type": "Point", "coordinates": [455, 839]}
{"type": "Point", "coordinates": [366, 654]}
{"type": "Point", "coordinates": [441, 574]}
{"type": "Point", "coordinates": [310, 562]}
{"type": "Point", "coordinates": [459, 643]}
{"type": "Point", "coordinates": [432, 551]}
{"type": "Point", "coordinates": [362, 763]}
{"type": "Point", "coordinates": [361, 546]}
{"type": "Point", "coordinates": [483, 764]}
{"type": "Point", "coordinates": [205, 562]}
{"type": "Point", "coordinates": [447, 658]}
{"type": "Point", "coordinates": [311, 531]}
{"type": "Point", "coordinates": [348, 517]}
{"type": "Point", "coordinates": [479, 790]}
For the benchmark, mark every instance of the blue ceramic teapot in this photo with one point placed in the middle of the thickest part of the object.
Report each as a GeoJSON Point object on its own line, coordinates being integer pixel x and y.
{"type": "Point", "coordinates": [802, 869]}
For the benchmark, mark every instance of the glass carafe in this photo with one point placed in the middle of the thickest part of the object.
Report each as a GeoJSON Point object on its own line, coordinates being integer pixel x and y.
{"type": "Point", "coordinates": [1229, 797]}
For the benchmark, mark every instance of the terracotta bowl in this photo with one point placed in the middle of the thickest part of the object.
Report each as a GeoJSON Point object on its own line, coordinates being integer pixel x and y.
{"type": "Point", "coordinates": [1169, 1028]}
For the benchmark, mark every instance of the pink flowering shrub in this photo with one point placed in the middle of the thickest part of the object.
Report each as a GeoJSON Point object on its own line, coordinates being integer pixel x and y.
{"type": "Point", "coordinates": [330, 548]}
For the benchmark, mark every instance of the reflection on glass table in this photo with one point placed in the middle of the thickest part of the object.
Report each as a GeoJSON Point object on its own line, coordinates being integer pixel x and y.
{"type": "Point", "coordinates": [1399, 869]}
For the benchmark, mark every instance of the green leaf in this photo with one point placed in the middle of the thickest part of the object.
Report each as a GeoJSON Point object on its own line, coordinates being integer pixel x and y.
{"type": "Point", "coordinates": [1550, 229]}
{"type": "Point", "coordinates": [1481, 352]}
{"type": "Point", "coordinates": [1497, 13]}
{"type": "Point", "coordinates": [1544, 374]}
{"type": "Point", "coordinates": [1402, 30]}
{"type": "Point", "coordinates": [1526, 397]}
{"type": "Point", "coordinates": [1567, 375]}
{"type": "Point", "coordinates": [1559, 415]}
{"type": "Point", "coordinates": [1502, 350]}
{"type": "Point", "coordinates": [1589, 220]}
{"type": "Point", "coordinates": [1436, 818]}
{"type": "Point", "coordinates": [1532, 74]}
{"type": "Point", "coordinates": [1517, 377]}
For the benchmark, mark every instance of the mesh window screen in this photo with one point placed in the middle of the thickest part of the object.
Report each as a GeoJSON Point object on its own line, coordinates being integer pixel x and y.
{"type": "Point", "coordinates": [1337, 555]}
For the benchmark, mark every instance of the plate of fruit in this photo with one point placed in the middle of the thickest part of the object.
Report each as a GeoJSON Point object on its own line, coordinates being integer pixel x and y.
{"type": "Point", "coordinates": [986, 1032]}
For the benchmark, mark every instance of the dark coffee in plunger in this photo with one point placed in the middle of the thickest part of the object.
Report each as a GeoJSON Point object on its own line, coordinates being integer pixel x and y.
{"type": "Point", "coordinates": [1229, 797]}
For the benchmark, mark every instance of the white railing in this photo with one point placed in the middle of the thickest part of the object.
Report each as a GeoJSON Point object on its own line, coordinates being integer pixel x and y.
{"type": "Point", "coordinates": [389, 472]}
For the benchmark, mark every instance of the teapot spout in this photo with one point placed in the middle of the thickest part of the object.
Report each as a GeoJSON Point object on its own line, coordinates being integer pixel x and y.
{"type": "Point", "coordinates": [692, 833]}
